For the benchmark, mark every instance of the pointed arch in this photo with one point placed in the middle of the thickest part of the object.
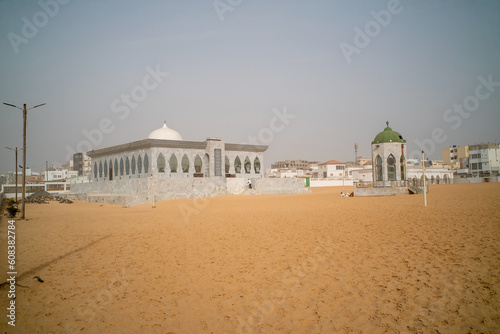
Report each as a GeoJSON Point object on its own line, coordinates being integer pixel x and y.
{"type": "Point", "coordinates": [105, 168]}
{"type": "Point", "coordinates": [227, 165]}
{"type": "Point", "coordinates": [139, 164]}
{"type": "Point", "coordinates": [146, 163]}
{"type": "Point", "coordinates": [115, 171]}
{"type": "Point", "coordinates": [121, 166]}
{"type": "Point", "coordinates": [402, 162]}
{"type": "Point", "coordinates": [95, 170]}
{"type": "Point", "coordinates": [173, 163]}
{"type": "Point", "coordinates": [161, 163]}
{"type": "Point", "coordinates": [185, 163]}
{"type": "Point", "coordinates": [132, 164]}
{"type": "Point", "coordinates": [100, 168]}
{"type": "Point", "coordinates": [248, 165]}
{"type": "Point", "coordinates": [237, 165]}
{"type": "Point", "coordinates": [378, 168]}
{"type": "Point", "coordinates": [391, 168]}
{"type": "Point", "coordinates": [256, 165]}
{"type": "Point", "coordinates": [111, 170]}
{"type": "Point", "coordinates": [198, 164]}
{"type": "Point", "coordinates": [127, 166]}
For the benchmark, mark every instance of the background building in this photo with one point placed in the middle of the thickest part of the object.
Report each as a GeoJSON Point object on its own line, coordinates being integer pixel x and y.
{"type": "Point", "coordinates": [294, 164]}
{"type": "Point", "coordinates": [332, 169]}
{"type": "Point", "coordinates": [453, 156]}
{"type": "Point", "coordinates": [484, 159]}
{"type": "Point", "coordinates": [82, 163]}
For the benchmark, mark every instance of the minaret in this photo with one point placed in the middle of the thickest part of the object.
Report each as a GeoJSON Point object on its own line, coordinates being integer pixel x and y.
{"type": "Point", "coordinates": [355, 153]}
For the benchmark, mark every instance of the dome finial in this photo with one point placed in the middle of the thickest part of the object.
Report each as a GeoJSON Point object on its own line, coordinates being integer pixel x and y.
{"type": "Point", "coordinates": [387, 123]}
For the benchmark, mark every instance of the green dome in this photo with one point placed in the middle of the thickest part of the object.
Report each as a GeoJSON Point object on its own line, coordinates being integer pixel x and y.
{"type": "Point", "coordinates": [388, 136]}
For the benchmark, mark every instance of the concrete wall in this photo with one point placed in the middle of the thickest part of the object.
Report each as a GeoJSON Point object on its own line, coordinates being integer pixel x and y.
{"type": "Point", "coordinates": [140, 191]}
{"type": "Point", "coordinates": [330, 183]}
{"type": "Point", "coordinates": [382, 191]}
{"type": "Point", "coordinates": [279, 186]}
{"type": "Point", "coordinates": [236, 185]}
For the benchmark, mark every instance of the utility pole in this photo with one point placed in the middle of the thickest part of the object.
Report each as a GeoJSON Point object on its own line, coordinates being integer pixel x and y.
{"type": "Point", "coordinates": [16, 166]}
{"type": "Point", "coordinates": [25, 116]}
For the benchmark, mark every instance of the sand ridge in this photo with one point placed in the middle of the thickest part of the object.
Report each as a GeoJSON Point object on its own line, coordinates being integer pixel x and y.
{"type": "Point", "coordinates": [298, 263]}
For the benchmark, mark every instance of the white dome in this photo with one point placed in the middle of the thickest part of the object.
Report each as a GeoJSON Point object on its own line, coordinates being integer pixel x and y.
{"type": "Point", "coordinates": [165, 133]}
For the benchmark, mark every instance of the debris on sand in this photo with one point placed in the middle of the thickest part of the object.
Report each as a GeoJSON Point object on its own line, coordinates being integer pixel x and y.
{"type": "Point", "coordinates": [43, 197]}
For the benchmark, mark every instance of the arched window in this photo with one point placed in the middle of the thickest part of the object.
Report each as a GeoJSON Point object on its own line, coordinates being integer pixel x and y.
{"type": "Point", "coordinates": [100, 168]}
{"type": "Point", "coordinates": [391, 168]}
{"type": "Point", "coordinates": [248, 166]}
{"type": "Point", "coordinates": [133, 164]}
{"type": "Point", "coordinates": [432, 179]}
{"type": "Point", "coordinates": [237, 165]}
{"type": "Point", "coordinates": [146, 163]}
{"type": "Point", "coordinates": [115, 171]}
{"type": "Point", "coordinates": [437, 179]}
{"type": "Point", "coordinates": [227, 165]}
{"type": "Point", "coordinates": [197, 164]}
{"type": "Point", "coordinates": [121, 166]}
{"type": "Point", "coordinates": [256, 165]}
{"type": "Point", "coordinates": [139, 164]}
{"type": "Point", "coordinates": [173, 163]}
{"type": "Point", "coordinates": [378, 168]}
{"type": "Point", "coordinates": [185, 164]}
{"type": "Point", "coordinates": [446, 180]}
{"type": "Point", "coordinates": [95, 170]}
{"type": "Point", "coordinates": [403, 167]}
{"type": "Point", "coordinates": [161, 163]}
{"type": "Point", "coordinates": [111, 172]}
{"type": "Point", "coordinates": [105, 168]}
{"type": "Point", "coordinates": [127, 166]}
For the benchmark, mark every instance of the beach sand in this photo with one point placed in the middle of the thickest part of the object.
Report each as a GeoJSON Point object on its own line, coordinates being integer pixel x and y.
{"type": "Point", "coordinates": [297, 263]}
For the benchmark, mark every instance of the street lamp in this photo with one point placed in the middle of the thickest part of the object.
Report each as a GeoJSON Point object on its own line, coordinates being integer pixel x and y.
{"type": "Point", "coordinates": [25, 116]}
{"type": "Point", "coordinates": [15, 150]}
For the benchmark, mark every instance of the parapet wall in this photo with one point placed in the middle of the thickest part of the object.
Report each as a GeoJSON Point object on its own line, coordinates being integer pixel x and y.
{"type": "Point", "coordinates": [140, 191]}
{"type": "Point", "coordinates": [380, 191]}
{"type": "Point", "coordinates": [279, 186]}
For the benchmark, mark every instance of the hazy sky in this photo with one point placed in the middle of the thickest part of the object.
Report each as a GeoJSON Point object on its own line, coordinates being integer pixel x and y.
{"type": "Point", "coordinates": [338, 69]}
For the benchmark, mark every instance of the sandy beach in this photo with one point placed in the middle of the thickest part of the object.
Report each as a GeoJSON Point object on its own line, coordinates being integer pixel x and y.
{"type": "Point", "coordinates": [298, 263]}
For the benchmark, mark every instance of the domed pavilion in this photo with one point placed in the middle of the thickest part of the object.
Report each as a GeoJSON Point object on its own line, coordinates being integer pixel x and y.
{"type": "Point", "coordinates": [389, 159]}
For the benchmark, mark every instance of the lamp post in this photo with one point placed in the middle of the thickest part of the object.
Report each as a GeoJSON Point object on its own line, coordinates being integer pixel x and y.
{"type": "Point", "coordinates": [16, 166]}
{"type": "Point", "coordinates": [423, 174]}
{"type": "Point", "coordinates": [25, 116]}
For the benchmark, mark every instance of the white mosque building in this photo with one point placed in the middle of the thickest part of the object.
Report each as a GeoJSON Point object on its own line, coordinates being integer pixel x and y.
{"type": "Point", "coordinates": [165, 154]}
{"type": "Point", "coordinates": [166, 166]}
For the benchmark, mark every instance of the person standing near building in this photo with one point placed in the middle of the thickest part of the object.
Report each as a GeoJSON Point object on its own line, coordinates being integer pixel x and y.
{"type": "Point", "coordinates": [249, 184]}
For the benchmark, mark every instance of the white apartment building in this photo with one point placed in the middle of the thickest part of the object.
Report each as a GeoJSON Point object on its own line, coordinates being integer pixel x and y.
{"type": "Point", "coordinates": [331, 169]}
{"type": "Point", "coordinates": [484, 159]}
{"type": "Point", "coordinates": [58, 175]}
